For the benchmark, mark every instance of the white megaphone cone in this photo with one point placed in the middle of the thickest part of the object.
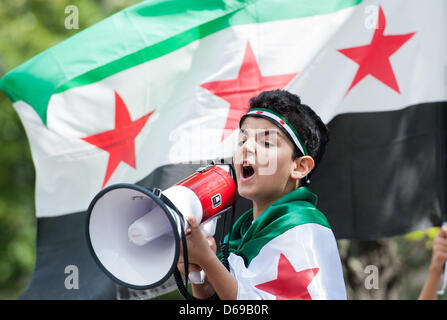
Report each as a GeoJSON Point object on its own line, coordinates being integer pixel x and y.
{"type": "Point", "coordinates": [134, 233]}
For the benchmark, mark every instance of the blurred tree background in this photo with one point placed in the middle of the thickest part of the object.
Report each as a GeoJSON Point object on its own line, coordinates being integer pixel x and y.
{"type": "Point", "coordinates": [28, 27]}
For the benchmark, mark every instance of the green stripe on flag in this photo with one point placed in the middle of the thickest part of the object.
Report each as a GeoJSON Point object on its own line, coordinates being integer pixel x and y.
{"type": "Point", "coordinates": [139, 34]}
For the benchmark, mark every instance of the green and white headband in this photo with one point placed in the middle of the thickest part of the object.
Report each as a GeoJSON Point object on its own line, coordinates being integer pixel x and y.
{"type": "Point", "coordinates": [281, 122]}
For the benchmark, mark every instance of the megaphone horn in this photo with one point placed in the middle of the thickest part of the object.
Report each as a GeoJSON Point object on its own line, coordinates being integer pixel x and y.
{"type": "Point", "coordinates": [133, 233]}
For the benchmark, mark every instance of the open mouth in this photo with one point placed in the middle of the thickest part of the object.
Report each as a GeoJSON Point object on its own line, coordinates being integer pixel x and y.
{"type": "Point", "coordinates": [247, 171]}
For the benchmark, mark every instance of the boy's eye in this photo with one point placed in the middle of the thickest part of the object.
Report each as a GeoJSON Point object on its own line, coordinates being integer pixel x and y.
{"type": "Point", "coordinates": [266, 144]}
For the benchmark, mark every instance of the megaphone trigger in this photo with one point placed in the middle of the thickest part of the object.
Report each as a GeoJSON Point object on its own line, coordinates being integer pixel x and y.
{"type": "Point", "coordinates": [197, 277]}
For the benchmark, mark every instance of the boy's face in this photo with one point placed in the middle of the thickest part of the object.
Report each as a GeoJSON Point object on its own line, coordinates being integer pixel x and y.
{"type": "Point", "coordinates": [263, 161]}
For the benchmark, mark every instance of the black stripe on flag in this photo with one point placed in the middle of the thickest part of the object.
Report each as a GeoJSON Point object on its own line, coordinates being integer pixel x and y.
{"type": "Point", "coordinates": [60, 248]}
{"type": "Point", "coordinates": [383, 173]}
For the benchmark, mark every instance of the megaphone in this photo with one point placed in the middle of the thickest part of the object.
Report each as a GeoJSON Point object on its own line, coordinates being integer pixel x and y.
{"type": "Point", "coordinates": [134, 233]}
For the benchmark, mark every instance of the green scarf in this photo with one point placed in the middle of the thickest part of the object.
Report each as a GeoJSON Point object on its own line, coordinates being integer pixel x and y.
{"type": "Point", "coordinates": [291, 210]}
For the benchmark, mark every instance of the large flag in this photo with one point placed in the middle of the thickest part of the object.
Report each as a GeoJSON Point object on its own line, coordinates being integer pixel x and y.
{"type": "Point", "coordinates": [146, 94]}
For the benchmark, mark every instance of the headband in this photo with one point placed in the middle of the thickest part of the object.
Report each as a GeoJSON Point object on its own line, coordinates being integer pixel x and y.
{"type": "Point", "coordinates": [281, 122]}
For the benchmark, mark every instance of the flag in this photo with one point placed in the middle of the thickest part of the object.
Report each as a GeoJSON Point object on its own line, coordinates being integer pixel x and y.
{"type": "Point", "coordinates": [144, 95]}
{"type": "Point", "coordinates": [380, 83]}
{"type": "Point", "coordinates": [288, 252]}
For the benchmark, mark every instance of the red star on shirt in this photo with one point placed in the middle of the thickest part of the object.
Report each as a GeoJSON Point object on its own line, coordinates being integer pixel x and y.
{"type": "Point", "coordinates": [248, 84]}
{"type": "Point", "coordinates": [119, 142]}
{"type": "Point", "coordinates": [374, 58]}
{"type": "Point", "coordinates": [290, 284]}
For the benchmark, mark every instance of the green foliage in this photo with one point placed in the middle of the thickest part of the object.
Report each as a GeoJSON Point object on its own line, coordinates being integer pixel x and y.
{"type": "Point", "coordinates": [26, 29]}
{"type": "Point", "coordinates": [427, 236]}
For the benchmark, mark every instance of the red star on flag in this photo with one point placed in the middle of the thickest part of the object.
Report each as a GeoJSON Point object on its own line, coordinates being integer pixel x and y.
{"type": "Point", "coordinates": [374, 58]}
{"type": "Point", "coordinates": [239, 91]}
{"type": "Point", "coordinates": [119, 142]}
{"type": "Point", "coordinates": [290, 284]}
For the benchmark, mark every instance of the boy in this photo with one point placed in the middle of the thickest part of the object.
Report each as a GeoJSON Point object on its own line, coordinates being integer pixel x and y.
{"type": "Point", "coordinates": [283, 248]}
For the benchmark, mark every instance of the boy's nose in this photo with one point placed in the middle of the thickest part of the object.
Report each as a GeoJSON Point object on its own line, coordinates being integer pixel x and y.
{"type": "Point", "coordinates": [249, 147]}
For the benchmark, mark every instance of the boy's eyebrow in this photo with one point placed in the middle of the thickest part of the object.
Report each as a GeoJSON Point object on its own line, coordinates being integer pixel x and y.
{"type": "Point", "coordinates": [263, 133]}
{"type": "Point", "coordinates": [267, 132]}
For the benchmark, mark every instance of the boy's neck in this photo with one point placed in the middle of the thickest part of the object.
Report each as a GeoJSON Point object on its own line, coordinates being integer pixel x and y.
{"type": "Point", "coordinates": [259, 208]}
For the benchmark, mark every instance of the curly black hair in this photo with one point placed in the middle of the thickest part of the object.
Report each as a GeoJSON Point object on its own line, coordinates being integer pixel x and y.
{"type": "Point", "coordinates": [312, 130]}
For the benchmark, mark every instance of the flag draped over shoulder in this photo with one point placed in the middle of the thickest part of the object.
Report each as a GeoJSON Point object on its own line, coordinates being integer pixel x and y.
{"type": "Point", "coordinates": [164, 83]}
{"type": "Point", "coordinates": [289, 252]}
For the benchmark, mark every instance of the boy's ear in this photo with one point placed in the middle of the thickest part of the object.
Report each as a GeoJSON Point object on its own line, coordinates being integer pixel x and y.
{"type": "Point", "coordinates": [302, 166]}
